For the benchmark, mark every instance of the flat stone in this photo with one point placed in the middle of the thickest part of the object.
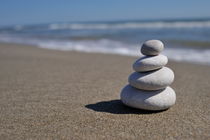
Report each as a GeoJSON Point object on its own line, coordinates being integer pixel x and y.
{"type": "Point", "coordinates": [152, 80]}
{"type": "Point", "coordinates": [148, 63]}
{"type": "Point", "coordinates": [148, 100]}
{"type": "Point", "coordinates": [152, 47]}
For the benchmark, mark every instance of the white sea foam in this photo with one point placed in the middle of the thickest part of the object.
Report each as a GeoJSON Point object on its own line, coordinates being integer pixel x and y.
{"type": "Point", "coordinates": [114, 47]}
{"type": "Point", "coordinates": [201, 56]}
{"type": "Point", "coordinates": [100, 46]}
{"type": "Point", "coordinates": [130, 25]}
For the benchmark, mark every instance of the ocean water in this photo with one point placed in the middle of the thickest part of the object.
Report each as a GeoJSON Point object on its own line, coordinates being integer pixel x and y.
{"type": "Point", "coordinates": [184, 39]}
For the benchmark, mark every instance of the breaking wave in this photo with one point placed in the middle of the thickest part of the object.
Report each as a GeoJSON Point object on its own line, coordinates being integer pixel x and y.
{"type": "Point", "coordinates": [106, 46]}
{"type": "Point", "coordinates": [130, 25]}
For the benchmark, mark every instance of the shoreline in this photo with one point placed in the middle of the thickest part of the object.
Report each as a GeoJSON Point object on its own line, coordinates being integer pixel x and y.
{"type": "Point", "coordinates": [48, 94]}
{"type": "Point", "coordinates": [98, 53]}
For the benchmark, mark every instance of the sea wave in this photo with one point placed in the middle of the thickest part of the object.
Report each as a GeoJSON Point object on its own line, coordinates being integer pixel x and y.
{"type": "Point", "coordinates": [130, 25]}
{"type": "Point", "coordinates": [100, 46]}
{"type": "Point", "coordinates": [201, 56]}
{"type": "Point", "coordinates": [114, 47]}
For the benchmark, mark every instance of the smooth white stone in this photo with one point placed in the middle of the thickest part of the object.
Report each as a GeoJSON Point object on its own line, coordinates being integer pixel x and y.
{"type": "Point", "coordinates": [148, 63]}
{"type": "Point", "coordinates": [148, 100]}
{"type": "Point", "coordinates": [152, 80]}
{"type": "Point", "coordinates": [152, 47]}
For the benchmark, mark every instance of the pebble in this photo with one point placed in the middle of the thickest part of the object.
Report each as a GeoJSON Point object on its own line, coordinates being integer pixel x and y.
{"type": "Point", "coordinates": [148, 100]}
{"type": "Point", "coordinates": [148, 63]}
{"type": "Point", "coordinates": [152, 80]}
{"type": "Point", "coordinates": [152, 47]}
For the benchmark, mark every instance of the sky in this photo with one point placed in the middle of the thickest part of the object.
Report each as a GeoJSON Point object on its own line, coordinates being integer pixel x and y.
{"type": "Point", "coordinates": [20, 12]}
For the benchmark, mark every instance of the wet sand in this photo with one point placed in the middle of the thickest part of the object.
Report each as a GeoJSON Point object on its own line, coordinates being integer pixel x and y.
{"type": "Point", "coordinates": [48, 94]}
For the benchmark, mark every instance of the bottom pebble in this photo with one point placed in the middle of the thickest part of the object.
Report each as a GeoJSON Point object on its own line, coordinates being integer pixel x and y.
{"type": "Point", "coordinates": [148, 100]}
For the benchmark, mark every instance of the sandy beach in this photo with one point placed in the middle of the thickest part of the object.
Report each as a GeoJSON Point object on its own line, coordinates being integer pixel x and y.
{"type": "Point", "coordinates": [49, 94]}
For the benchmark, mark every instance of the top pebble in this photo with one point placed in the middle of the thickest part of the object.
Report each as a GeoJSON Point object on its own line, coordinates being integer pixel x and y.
{"type": "Point", "coordinates": [152, 47]}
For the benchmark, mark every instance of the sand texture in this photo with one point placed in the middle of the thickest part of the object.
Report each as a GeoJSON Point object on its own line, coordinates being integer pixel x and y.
{"type": "Point", "coordinates": [47, 94]}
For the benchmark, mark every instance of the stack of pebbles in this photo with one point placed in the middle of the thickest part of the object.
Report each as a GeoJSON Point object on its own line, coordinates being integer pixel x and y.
{"type": "Point", "coordinates": [148, 87]}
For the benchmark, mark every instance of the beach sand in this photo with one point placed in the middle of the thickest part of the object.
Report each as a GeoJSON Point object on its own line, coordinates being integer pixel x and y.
{"type": "Point", "coordinates": [48, 94]}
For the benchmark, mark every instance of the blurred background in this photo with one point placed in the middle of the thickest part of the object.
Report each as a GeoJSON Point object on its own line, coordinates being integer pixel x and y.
{"type": "Point", "coordinates": [110, 26]}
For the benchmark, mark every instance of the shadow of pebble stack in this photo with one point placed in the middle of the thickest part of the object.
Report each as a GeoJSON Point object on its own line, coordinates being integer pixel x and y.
{"type": "Point", "coordinates": [148, 87]}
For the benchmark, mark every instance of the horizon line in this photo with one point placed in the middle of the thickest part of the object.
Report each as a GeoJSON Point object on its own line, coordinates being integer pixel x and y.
{"type": "Point", "coordinates": [113, 20]}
